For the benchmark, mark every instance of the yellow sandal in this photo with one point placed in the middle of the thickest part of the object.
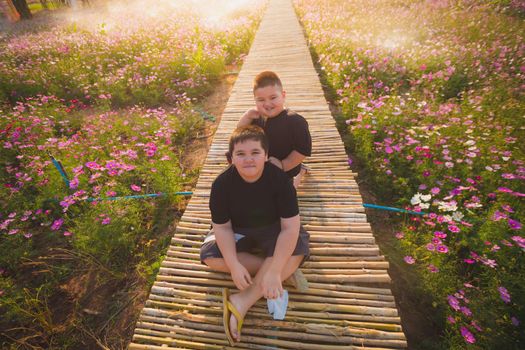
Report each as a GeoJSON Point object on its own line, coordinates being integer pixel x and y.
{"type": "Point", "coordinates": [227, 310]}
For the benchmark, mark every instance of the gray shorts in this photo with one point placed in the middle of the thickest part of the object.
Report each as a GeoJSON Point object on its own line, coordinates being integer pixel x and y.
{"type": "Point", "coordinates": [260, 241]}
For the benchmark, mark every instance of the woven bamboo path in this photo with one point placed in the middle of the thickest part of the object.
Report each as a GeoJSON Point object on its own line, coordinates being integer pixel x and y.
{"type": "Point", "coordinates": [349, 303]}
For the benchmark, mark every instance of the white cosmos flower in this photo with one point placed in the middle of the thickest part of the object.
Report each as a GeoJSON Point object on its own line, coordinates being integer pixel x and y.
{"type": "Point", "coordinates": [426, 197]}
{"type": "Point", "coordinates": [416, 199]}
{"type": "Point", "coordinates": [424, 205]}
{"type": "Point", "coordinates": [448, 206]}
{"type": "Point", "coordinates": [457, 216]}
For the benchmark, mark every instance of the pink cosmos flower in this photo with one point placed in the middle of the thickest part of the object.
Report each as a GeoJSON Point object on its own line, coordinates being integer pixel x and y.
{"type": "Point", "coordinates": [453, 228]}
{"type": "Point", "coordinates": [520, 241]}
{"type": "Point", "coordinates": [504, 294]}
{"type": "Point", "coordinates": [507, 208]}
{"type": "Point", "coordinates": [442, 249]}
{"type": "Point", "coordinates": [106, 220]}
{"type": "Point", "coordinates": [440, 234]}
{"type": "Point", "coordinates": [93, 165]}
{"type": "Point", "coordinates": [475, 325]}
{"type": "Point", "coordinates": [431, 247]}
{"type": "Point", "coordinates": [67, 233]}
{"type": "Point", "coordinates": [409, 260]}
{"type": "Point", "coordinates": [111, 193]}
{"type": "Point", "coordinates": [57, 224]}
{"type": "Point", "coordinates": [73, 184]}
{"type": "Point", "coordinates": [469, 337]}
{"type": "Point", "coordinates": [451, 319]}
{"type": "Point", "coordinates": [135, 188]}
{"type": "Point", "coordinates": [400, 235]}
{"type": "Point", "coordinates": [515, 321]}
{"type": "Point", "coordinates": [28, 235]}
{"type": "Point", "coordinates": [505, 190]}
{"type": "Point", "coordinates": [453, 302]}
{"type": "Point", "coordinates": [469, 261]}
{"type": "Point", "coordinates": [498, 215]}
{"type": "Point", "coordinates": [432, 268]}
{"type": "Point", "coordinates": [466, 311]}
{"type": "Point", "coordinates": [514, 224]}
{"type": "Point", "coordinates": [435, 190]}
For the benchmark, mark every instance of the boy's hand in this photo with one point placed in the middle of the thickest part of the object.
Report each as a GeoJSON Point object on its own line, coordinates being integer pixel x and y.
{"type": "Point", "coordinates": [251, 114]}
{"type": "Point", "coordinates": [271, 285]}
{"type": "Point", "coordinates": [248, 117]}
{"type": "Point", "coordinates": [241, 277]}
{"type": "Point", "coordinates": [276, 162]}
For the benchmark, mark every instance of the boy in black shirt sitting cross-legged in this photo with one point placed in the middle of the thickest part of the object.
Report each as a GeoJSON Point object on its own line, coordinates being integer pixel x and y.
{"type": "Point", "coordinates": [253, 208]}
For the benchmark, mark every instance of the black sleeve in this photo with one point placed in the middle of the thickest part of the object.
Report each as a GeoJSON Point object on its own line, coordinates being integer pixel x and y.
{"type": "Point", "coordinates": [259, 122]}
{"type": "Point", "coordinates": [286, 197]}
{"type": "Point", "coordinates": [302, 141]}
{"type": "Point", "coordinates": [220, 213]}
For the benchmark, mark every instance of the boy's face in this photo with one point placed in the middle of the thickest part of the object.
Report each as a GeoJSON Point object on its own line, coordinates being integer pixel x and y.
{"type": "Point", "coordinates": [269, 100]}
{"type": "Point", "coordinates": [248, 158]}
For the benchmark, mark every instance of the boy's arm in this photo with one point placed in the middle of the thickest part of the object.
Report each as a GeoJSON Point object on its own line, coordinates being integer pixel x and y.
{"type": "Point", "coordinates": [294, 159]}
{"type": "Point", "coordinates": [271, 283]}
{"type": "Point", "coordinates": [224, 236]}
{"type": "Point", "coordinates": [248, 117]}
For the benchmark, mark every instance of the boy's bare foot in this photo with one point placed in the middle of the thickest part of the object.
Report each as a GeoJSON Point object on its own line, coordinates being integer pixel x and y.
{"type": "Point", "coordinates": [298, 281]}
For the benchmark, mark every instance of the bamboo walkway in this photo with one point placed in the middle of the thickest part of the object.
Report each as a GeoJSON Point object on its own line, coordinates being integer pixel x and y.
{"type": "Point", "coordinates": [349, 303]}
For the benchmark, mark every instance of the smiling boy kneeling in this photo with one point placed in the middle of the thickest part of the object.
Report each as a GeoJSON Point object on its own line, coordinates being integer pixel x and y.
{"type": "Point", "coordinates": [254, 208]}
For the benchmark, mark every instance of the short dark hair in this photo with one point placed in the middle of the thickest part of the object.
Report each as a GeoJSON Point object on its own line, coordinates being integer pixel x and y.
{"type": "Point", "coordinates": [244, 133]}
{"type": "Point", "coordinates": [266, 78]}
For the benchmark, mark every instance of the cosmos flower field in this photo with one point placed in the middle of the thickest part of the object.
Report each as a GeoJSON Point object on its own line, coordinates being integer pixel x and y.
{"type": "Point", "coordinates": [431, 94]}
{"type": "Point", "coordinates": [115, 98]}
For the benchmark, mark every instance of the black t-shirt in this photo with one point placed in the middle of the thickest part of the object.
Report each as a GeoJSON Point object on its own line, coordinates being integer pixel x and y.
{"type": "Point", "coordinates": [252, 205]}
{"type": "Point", "coordinates": [286, 132]}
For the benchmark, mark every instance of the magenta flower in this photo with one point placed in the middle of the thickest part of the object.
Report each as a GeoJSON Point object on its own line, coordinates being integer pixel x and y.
{"type": "Point", "coordinates": [451, 319]}
{"type": "Point", "coordinates": [440, 234]}
{"type": "Point", "coordinates": [57, 224]}
{"type": "Point", "coordinates": [409, 260]}
{"type": "Point", "coordinates": [435, 190]}
{"type": "Point", "coordinates": [504, 294]}
{"type": "Point", "coordinates": [453, 228]}
{"type": "Point", "coordinates": [520, 241]}
{"type": "Point", "coordinates": [432, 268]}
{"type": "Point", "coordinates": [466, 311]}
{"type": "Point", "coordinates": [475, 325]}
{"type": "Point", "coordinates": [507, 208]}
{"type": "Point", "coordinates": [93, 165]}
{"type": "Point", "coordinates": [442, 249]}
{"type": "Point", "coordinates": [469, 261]}
{"type": "Point", "coordinates": [106, 220]}
{"type": "Point", "coordinates": [453, 302]}
{"type": "Point", "coordinates": [505, 190]}
{"type": "Point", "coordinates": [498, 215]}
{"type": "Point", "coordinates": [514, 224]}
{"type": "Point", "coordinates": [469, 337]}
{"type": "Point", "coordinates": [135, 188]}
{"type": "Point", "coordinates": [73, 184]}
